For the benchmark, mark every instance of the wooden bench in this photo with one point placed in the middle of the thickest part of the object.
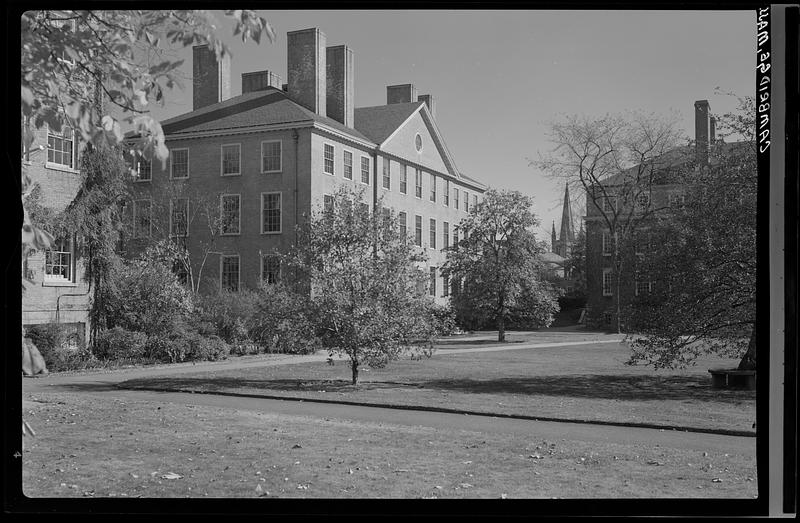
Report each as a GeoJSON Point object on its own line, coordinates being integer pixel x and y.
{"type": "Point", "coordinates": [733, 379]}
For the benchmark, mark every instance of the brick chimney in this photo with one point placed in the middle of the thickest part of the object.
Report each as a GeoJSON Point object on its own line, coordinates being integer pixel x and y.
{"type": "Point", "coordinates": [259, 80]}
{"type": "Point", "coordinates": [400, 94]}
{"type": "Point", "coordinates": [306, 64]}
{"type": "Point", "coordinates": [701, 131]}
{"type": "Point", "coordinates": [340, 98]}
{"type": "Point", "coordinates": [428, 99]}
{"type": "Point", "coordinates": [211, 78]}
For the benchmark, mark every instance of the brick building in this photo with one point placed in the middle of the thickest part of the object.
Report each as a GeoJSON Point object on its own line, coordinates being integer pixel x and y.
{"type": "Point", "coordinates": [262, 161]}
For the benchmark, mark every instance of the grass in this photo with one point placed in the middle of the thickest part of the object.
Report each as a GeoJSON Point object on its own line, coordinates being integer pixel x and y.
{"type": "Point", "coordinates": [584, 382]}
{"type": "Point", "coordinates": [90, 447]}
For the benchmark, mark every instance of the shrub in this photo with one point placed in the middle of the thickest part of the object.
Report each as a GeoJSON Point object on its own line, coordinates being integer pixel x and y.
{"type": "Point", "coordinates": [279, 323]}
{"type": "Point", "coordinates": [227, 314]}
{"type": "Point", "coordinates": [444, 319]}
{"type": "Point", "coordinates": [60, 346]}
{"type": "Point", "coordinates": [118, 344]}
{"type": "Point", "coordinates": [212, 348]}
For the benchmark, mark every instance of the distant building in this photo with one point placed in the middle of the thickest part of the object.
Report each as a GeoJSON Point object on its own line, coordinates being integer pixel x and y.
{"type": "Point", "coordinates": [270, 156]}
{"type": "Point", "coordinates": [556, 261]}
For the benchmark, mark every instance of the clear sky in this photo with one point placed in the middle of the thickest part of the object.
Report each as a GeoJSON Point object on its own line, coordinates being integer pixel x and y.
{"type": "Point", "coordinates": [498, 77]}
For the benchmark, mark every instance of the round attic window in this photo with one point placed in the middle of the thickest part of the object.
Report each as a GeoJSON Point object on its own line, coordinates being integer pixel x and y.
{"type": "Point", "coordinates": [418, 142]}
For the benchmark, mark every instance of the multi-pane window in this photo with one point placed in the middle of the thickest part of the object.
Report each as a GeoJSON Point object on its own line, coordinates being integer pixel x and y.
{"type": "Point", "coordinates": [475, 201]}
{"type": "Point", "coordinates": [446, 193]}
{"type": "Point", "coordinates": [642, 287]}
{"type": "Point", "coordinates": [61, 148]}
{"type": "Point", "coordinates": [402, 221]}
{"type": "Point", "coordinates": [271, 156]}
{"type": "Point", "coordinates": [418, 230]}
{"type": "Point", "coordinates": [348, 165]}
{"type": "Point", "coordinates": [433, 187]}
{"type": "Point", "coordinates": [445, 235]}
{"type": "Point", "coordinates": [270, 212]}
{"type": "Point", "coordinates": [608, 243]}
{"type": "Point", "coordinates": [445, 284]}
{"type": "Point", "coordinates": [230, 214]}
{"type": "Point", "coordinates": [466, 201]}
{"type": "Point", "coordinates": [58, 261]}
{"type": "Point", "coordinates": [455, 197]}
{"type": "Point", "coordinates": [609, 204]}
{"type": "Point", "coordinates": [229, 273]}
{"type": "Point", "coordinates": [432, 284]}
{"type": "Point", "coordinates": [328, 159]}
{"type": "Point", "coordinates": [432, 233]}
{"type": "Point", "coordinates": [231, 159]}
{"type": "Point", "coordinates": [270, 268]}
{"type": "Point", "coordinates": [404, 179]}
{"type": "Point", "coordinates": [607, 282]}
{"type": "Point", "coordinates": [386, 214]}
{"type": "Point", "coordinates": [141, 218]}
{"type": "Point", "coordinates": [455, 237]}
{"type": "Point", "coordinates": [365, 170]}
{"type": "Point", "coordinates": [144, 170]}
{"type": "Point", "coordinates": [179, 163]}
{"type": "Point", "coordinates": [418, 188]}
{"type": "Point", "coordinates": [641, 242]}
{"type": "Point", "coordinates": [179, 216]}
{"type": "Point", "coordinates": [387, 173]}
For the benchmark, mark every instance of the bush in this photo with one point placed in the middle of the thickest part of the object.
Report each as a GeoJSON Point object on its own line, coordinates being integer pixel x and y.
{"type": "Point", "coordinates": [444, 319]}
{"type": "Point", "coordinates": [60, 346]}
{"type": "Point", "coordinates": [212, 348]}
{"type": "Point", "coordinates": [227, 314]}
{"type": "Point", "coordinates": [119, 344]}
{"type": "Point", "coordinates": [279, 322]}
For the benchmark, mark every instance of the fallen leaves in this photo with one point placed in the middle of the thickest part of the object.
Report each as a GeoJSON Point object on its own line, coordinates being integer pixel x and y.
{"type": "Point", "coordinates": [171, 476]}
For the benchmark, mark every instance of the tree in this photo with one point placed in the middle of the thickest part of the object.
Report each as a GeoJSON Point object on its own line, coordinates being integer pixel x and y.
{"type": "Point", "coordinates": [616, 160]}
{"type": "Point", "coordinates": [499, 261]}
{"type": "Point", "coordinates": [702, 260]}
{"type": "Point", "coordinates": [365, 294]}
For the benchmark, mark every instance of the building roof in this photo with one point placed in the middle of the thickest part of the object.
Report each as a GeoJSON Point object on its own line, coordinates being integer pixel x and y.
{"type": "Point", "coordinates": [380, 121]}
{"type": "Point", "coordinates": [551, 257]}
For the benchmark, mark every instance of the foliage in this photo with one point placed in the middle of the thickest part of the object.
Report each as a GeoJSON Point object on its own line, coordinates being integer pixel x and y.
{"type": "Point", "coordinates": [281, 322]}
{"type": "Point", "coordinates": [499, 261]}
{"type": "Point", "coordinates": [118, 343]}
{"type": "Point", "coordinates": [202, 348]}
{"type": "Point", "coordinates": [56, 344]}
{"type": "Point", "coordinates": [228, 313]}
{"type": "Point", "coordinates": [616, 158]}
{"type": "Point", "coordinates": [367, 296]}
{"type": "Point", "coordinates": [702, 261]}
{"type": "Point", "coordinates": [445, 319]}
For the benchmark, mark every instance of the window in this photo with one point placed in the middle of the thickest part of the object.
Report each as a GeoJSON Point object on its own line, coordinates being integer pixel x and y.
{"type": "Point", "coordinates": [270, 268]}
{"type": "Point", "coordinates": [642, 201]}
{"type": "Point", "coordinates": [419, 184]}
{"type": "Point", "coordinates": [433, 187]}
{"type": "Point", "coordinates": [144, 170]}
{"type": "Point", "coordinates": [418, 230]}
{"type": "Point", "coordinates": [455, 198]}
{"type": "Point", "coordinates": [178, 217]}
{"type": "Point", "coordinates": [466, 201]}
{"type": "Point", "coordinates": [432, 285]}
{"type": "Point", "coordinates": [642, 287]}
{"type": "Point", "coordinates": [445, 235]}
{"type": "Point", "coordinates": [387, 174]}
{"type": "Point", "coordinates": [445, 284]}
{"type": "Point", "coordinates": [608, 245]}
{"type": "Point", "coordinates": [328, 159]}
{"type": "Point", "coordinates": [365, 170]}
{"type": "Point", "coordinates": [475, 202]}
{"type": "Point", "coordinates": [229, 273]}
{"type": "Point", "coordinates": [179, 163]}
{"type": "Point", "coordinates": [455, 238]}
{"type": "Point", "coordinates": [327, 206]}
{"type": "Point", "coordinates": [446, 193]}
{"type": "Point", "coordinates": [418, 143]}
{"type": "Point", "coordinates": [607, 282]}
{"type": "Point", "coordinates": [58, 261]}
{"type": "Point", "coordinates": [404, 179]}
{"type": "Point", "coordinates": [231, 158]}
{"type": "Point", "coordinates": [141, 218]}
{"type": "Point", "coordinates": [641, 242]}
{"type": "Point", "coordinates": [348, 165]}
{"type": "Point", "coordinates": [402, 222]}
{"type": "Point", "coordinates": [386, 214]}
{"type": "Point", "coordinates": [432, 233]}
{"type": "Point", "coordinates": [609, 204]}
{"type": "Point", "coordinates": [230, 214]}
{"type": "Point", "coordinates": [270, 213]}
{"type": "Point", "coordinates": [61, 148]}
{"type": "Point", "coordinates": [271, 156]}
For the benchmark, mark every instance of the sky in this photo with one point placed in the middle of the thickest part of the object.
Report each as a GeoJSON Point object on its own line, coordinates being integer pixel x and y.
{"type": "Point", "coordinates": [499, 77]}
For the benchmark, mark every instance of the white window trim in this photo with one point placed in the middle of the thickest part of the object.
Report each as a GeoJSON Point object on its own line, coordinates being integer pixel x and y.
{"type": "Point", "coordinates": [432, 280]}
{"type": "Point", "coordinates": [345, 152]}
{"type": "Point", "coordinates": [280, 199]}
{"type": "Point", "coordinates": [221, 213]}
{"type": "Point", "coordinates": [602, 283]}
{"type": "Point", "coordinates": [403, 173]}
{"type": "Point", "coordinates": [636, 287]}
{"type": "Point", "coordinates": [138, 178]}
{"type": "Point", "coordinates": [360, 169]}
{"type": "Point", "coordinates": [171, 204]}
{"type": "Point", "coordinates": [432, 195]}
{"type": "Point", "coordinates": [404, 214]}
{"type": "Point", "coordinates": [222, 159]}
{"type": "Point", "coordinates": [606, 234]}
{"type": "Point", "coordinates": [171, 164]}
{"type": "Point", "coordinates": [334, 159]}
{"type": "Point", "coordinates": [387, 168]}
{"type": "Point", "coordinates": [421, 230]}
{"type": "Point", "coordinates": [135, 222]}
{"type": "Point", "coordinates": [238, 272]}
{"type": "Point", "coordinates": [50, 280]}
{"type": "Point", "coordinates": [421, 143]}
{"type": "Point", "coordinates": [446, 193]}
{"type": "Point", "coordinates": [280, 157]}
{"type": "Point", "coordinates": [456, 198]}
{"type": "Point", "coordinates": [432, 231]}
{"type": "Point", "coordinates": [60, 166]}
{"type": "Point", "coordinates": [466, 201]}
{"type": "Point", "coordinates": [421, 185]}
{"type": "Point", "coordinates": [263, 259]}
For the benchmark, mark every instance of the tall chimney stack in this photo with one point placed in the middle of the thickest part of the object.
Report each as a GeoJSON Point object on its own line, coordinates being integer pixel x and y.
{"type": "Point", "coordinates": [401, 94]}
{"type": "Point", "coordinates": [259, 80]}
{"type": "Point", "coordinates": [701, 131]}
{"type": "Point", "coordinates": [211, 78]}
{"type": "Point", "coordinates": [428, 99]}
{"type": "Point", "coordinates": [340, 102]}
{"type": "Point", "coordinates": [306, 64]}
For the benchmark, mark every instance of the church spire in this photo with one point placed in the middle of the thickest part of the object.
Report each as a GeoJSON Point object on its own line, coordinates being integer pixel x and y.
{"type": "Point", "coordinates": [553, 238]}
{"type": "Point", "coordinates": [567, 233]}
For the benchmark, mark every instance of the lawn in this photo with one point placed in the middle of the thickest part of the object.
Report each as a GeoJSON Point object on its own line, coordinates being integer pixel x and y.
{"type": "Point", "coordinates": [90, 446]}
{"type": "Point", "coordinates": [583, 382]}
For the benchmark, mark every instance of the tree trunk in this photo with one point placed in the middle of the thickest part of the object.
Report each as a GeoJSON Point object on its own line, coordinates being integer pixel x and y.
{"type": "Point", "coordinates": [749, 359]}
{"type": "Point", "coordinates": [354, 367]}
{"type": "Point", "coordinates": [501, 329]}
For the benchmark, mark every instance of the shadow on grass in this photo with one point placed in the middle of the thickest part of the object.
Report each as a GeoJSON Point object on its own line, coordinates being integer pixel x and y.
{"type": "Point", "coordinates": [469, 343]}
{"type": "Point", "coordinates": [620, 387]}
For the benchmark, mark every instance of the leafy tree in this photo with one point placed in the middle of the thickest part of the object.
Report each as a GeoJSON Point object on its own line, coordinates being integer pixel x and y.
{"type": "Point", "coordinates": [365, 292]}
{"type": "Point", "coordinates": [499, 261]}
{"type": "Point", "coordinates": [702, 260]}
{"type": "Point", "coordinates": [615, 159]}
